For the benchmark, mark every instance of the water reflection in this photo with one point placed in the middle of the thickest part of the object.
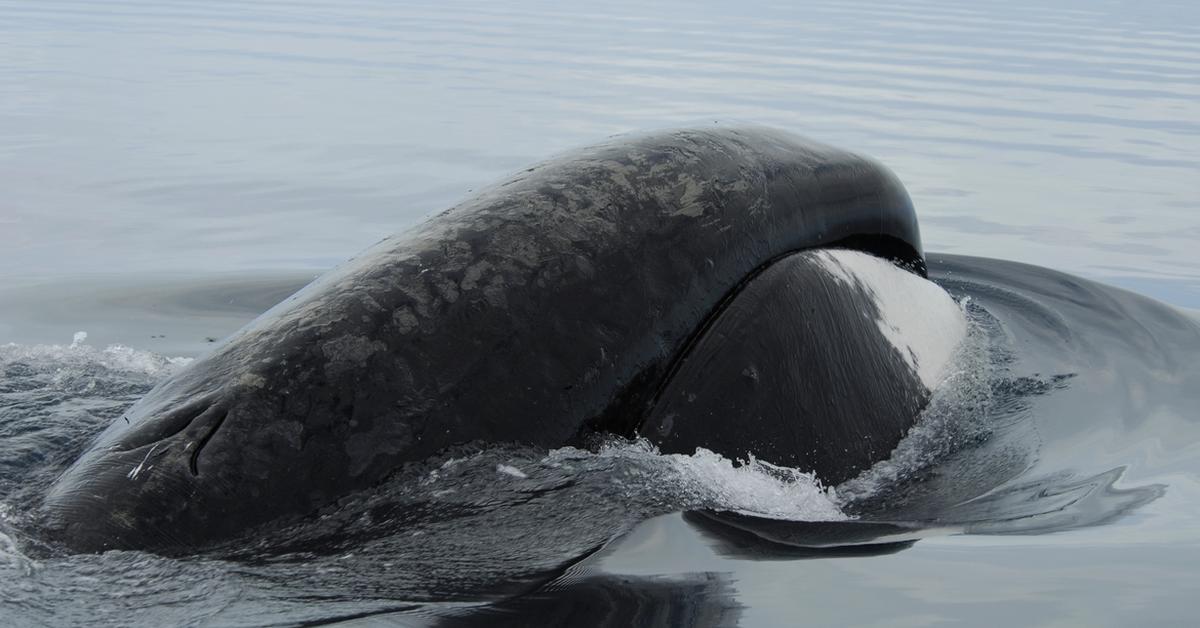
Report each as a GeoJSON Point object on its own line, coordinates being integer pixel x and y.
{"type": "Point", "coordinates": [746, 537]}
{"type": "Point", "coordinates": [704, 600]}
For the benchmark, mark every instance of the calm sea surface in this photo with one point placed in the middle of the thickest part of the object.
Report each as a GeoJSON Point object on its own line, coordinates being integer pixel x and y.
{"type": "Point", "coordinates": [214, 136]}
{"type": "Point", "coordinates": [169, 169]}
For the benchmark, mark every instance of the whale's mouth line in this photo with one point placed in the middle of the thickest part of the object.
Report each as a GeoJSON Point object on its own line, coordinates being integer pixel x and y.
{"type": "Point", "coordinates": [194, 462]}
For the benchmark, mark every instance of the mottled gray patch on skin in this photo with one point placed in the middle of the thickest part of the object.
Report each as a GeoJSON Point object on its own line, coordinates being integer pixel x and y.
{"type": "Point", "coordinates": [511, 274]}
{"type": "Point", "coordinates": [617, 171]}
{"type": "Point", "coordinates": [495, 292]}
{"type": "Point", "coordinates": [252, 380]}
{"type": "Point", "coordinates": [474, 273]}
{"type": "Point", "coordinates": [688, 203]}
{"type": "Point", "coordinates": [320, 313]}
{"type": "Point", "coordinates": [349, 352]}
{"type": "Point", "coordinates": [457, 255]}
{"type": "Point", "coordinates": [447, 289]}
{"type": "Point", "coordinates": [404, 320]}
{"type": "Point", "coordinates": [518, 246]}
{"type": "Point", "coordinates": [419, 294]}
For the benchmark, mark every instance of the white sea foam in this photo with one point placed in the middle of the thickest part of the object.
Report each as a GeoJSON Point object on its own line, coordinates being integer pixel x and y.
{"type": "Point", "coordinates": [508, 469]}
{"type": "Point", "coordinates": [919, 318]}
{"type": "Point", "coordinates": [113, 357]}
{"type": "Point", "coordinates": [706, 479]}
{"type": "Point", "coordinates": [956, 415]}
{"type": "Point", "coordinates": [10, 552]}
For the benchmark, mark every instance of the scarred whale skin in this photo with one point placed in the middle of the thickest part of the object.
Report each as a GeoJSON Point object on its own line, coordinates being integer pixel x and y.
{"type": "Point", "coordinates": [544, 310]}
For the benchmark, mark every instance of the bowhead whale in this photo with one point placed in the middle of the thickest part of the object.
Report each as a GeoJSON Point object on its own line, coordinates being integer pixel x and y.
{"type": "Point", "coordinates": [737, 289]}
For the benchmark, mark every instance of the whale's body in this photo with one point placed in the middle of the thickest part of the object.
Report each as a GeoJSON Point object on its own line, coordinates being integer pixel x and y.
{"type": "Point", "coordinates": [668, 285]}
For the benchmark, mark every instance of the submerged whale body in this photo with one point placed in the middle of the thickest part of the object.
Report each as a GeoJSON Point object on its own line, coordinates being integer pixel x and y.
{"type": "Point", "coordinates": [738, 289]}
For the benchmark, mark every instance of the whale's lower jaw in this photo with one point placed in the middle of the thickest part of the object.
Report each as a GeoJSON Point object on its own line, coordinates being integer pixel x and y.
{"type": "Point", "coordinates": [821, 363]}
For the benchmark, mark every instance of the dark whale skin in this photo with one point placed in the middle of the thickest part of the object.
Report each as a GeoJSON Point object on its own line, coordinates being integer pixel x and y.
{"type": "Point", "coordinates": [792, 370]}
{"type": "Point", "coordinates": [544, 310]}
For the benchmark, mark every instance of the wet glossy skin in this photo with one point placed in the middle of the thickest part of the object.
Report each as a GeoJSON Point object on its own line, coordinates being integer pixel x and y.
{"type": "Point", "coordinates": [543, 310]}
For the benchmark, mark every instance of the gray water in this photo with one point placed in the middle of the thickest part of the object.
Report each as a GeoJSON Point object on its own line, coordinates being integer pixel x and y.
{"type": "Point", "coordinates": [171, 169]}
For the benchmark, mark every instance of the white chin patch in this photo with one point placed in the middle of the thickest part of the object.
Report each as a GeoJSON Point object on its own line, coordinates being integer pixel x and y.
{"type": "Point", "coordinates": [919, 318]}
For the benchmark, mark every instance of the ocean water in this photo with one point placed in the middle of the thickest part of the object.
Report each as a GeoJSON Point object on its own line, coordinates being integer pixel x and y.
{"type": "Point", "coordinates": [172, 169]}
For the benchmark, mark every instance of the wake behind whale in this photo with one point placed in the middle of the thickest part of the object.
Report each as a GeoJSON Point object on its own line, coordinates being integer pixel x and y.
{"type": "Point", "coordinates": [732, 323]}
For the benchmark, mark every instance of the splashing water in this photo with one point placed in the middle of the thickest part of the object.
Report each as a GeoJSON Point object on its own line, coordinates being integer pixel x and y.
{"type": "Point", "coordinates": [957, 415]}
{"type": "Point", "coordinates": [706, 479]}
